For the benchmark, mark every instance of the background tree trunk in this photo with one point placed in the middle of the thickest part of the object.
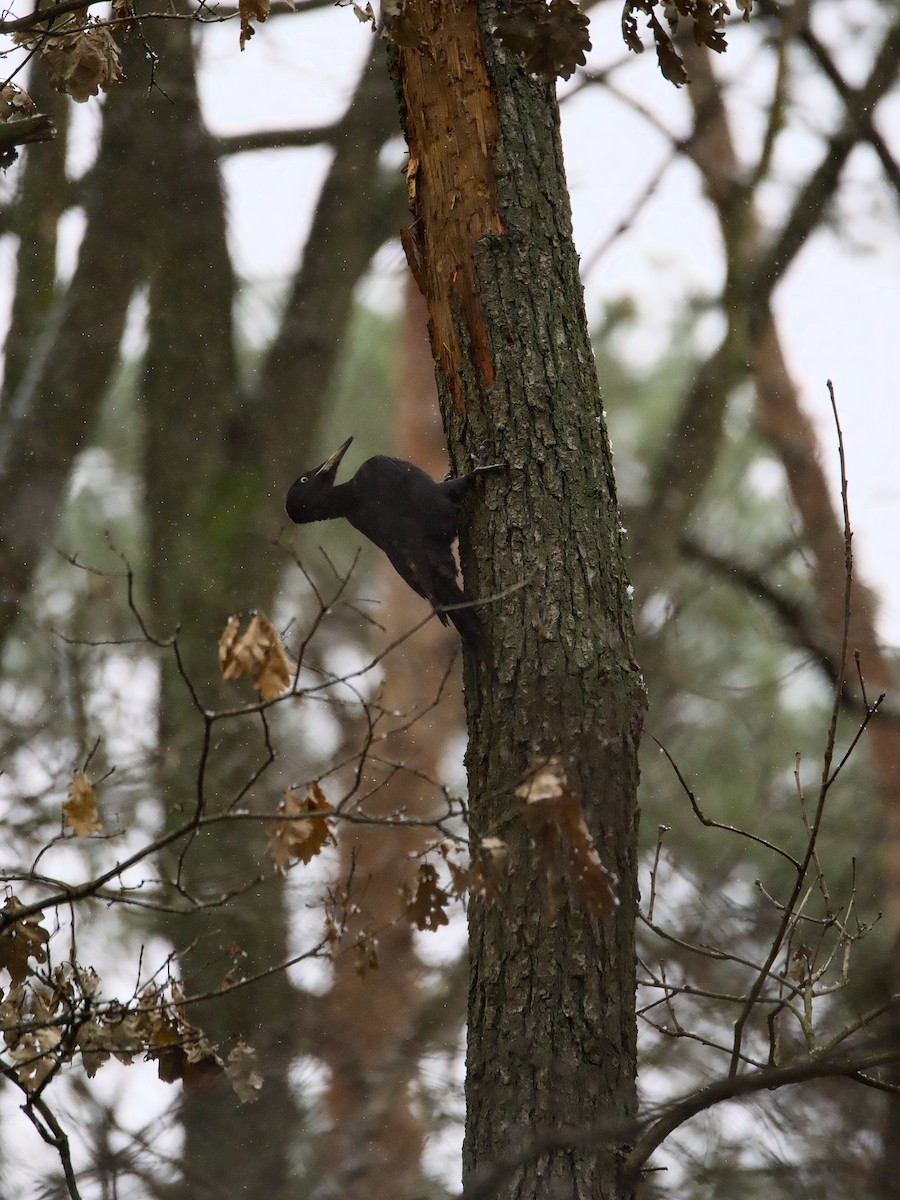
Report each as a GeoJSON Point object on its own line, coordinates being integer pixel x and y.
{"type": "Point", "coordinates": [203, 550]}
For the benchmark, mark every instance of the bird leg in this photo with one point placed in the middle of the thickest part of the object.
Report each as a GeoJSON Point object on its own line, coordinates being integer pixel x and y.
{"type": "Point", "coordinates": [479, 466]}
{"type": "Point", "coordinates": [478, 458]}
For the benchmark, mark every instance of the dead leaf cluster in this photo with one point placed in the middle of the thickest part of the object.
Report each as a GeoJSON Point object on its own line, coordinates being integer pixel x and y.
{"type": "Point", "coordinates": [30, 1035]}
{"type": "Point", "coordinates": [301, 830]}
{"type": "Point", "coordinates": [258, 653]}
{"type": "Point", "coordinates": [707, 18]}
{"type": "Point", "coordinates": [182, 1051]}
{"type": "Point", "coordinates": [81, 56]}
{"type": "Point", "coordinates": [551, 39]}
{"type": "Point", "coordinates": [47, 1022]}
{"type": "Point", "coordinates": [555, 819]}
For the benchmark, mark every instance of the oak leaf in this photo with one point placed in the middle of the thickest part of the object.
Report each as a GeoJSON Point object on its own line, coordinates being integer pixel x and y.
{"type": "Point", "coordinates": [251, 10]}
{"type": "Point", "coordinates": [425, 909]}
{"type": "Point", "coordinates": [34, 1056]}
{"type": "Point", "coordinates": [81, 63]}
{"type": "Point", "coordinates": [551, 39]}
{"type": "Point", "coordinates": [202, 1066]}
{"type": "Point", "coordinates": [670, 61]}
{"type": "Point", "coordinates": [93, 1042]}
{"type": "Point", "coordinates": [15, 103]}
{"type": "Point", "coordinates": [258, 653]}
{"type": "Point", "coordinates": [297, 833]}
{"type": "Point", "coordinates": [126, 1034]}
{"type": "Point", "coordinates": [81, 811]}
{"type": "Point", "coordinates": [24, 938]}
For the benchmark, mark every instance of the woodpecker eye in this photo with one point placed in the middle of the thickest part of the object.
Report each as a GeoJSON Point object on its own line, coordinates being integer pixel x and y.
{"type": "Point", "coordinates": [303, 480]}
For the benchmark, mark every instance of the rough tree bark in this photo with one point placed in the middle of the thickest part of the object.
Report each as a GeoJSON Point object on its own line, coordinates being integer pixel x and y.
{"type": "Point", "coordinates": [551, 1004]}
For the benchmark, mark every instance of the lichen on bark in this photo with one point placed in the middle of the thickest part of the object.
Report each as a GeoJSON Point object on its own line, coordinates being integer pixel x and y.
{"type": "Point", "coordinates": [551, 1039]}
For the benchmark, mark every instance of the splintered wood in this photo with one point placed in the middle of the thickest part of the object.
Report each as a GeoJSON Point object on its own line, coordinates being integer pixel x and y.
{"type": "Point", "coordinates": [452, 132]}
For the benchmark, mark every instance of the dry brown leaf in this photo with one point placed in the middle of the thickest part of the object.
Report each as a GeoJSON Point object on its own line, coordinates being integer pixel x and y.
{"type": "Point", "coordinates": [15, 103]}
{"type": "Point", "coordinates": [181, 1050]}
{"type": "Point", "coordinates": [82, 815]}
{"type": "Point", "coordinates": [426, 908]}
{"type": "Point", "coordinates": [23, 939]}
{"type": "Point", "coordinates": [297, 833]}
{"type": "Point", "coordinates": [34, 1057]}
{"type": "Point", "coordinates": [551, 39]}
{"type": "Point", "coordinates": [259, 654]}
{"type": "Point", "coordinates": [251, 10]}
{"type": "Point", "coordinates": [127, 1035]}
{"type": "Point", "coordinates": [93, 1042]}
{"type": "Point", "coordinates": [242, 1074]}
{"type": "Point", "coordinates": [203, 1067]}
{"type": "Point", "coordinates": [365, 15]}
{"type": "Point", "coordinates": [670, 61]}
{"type": "Point", "coordinates": [81, 63]}
{"type": "Point", "coordinates": [230, 666]}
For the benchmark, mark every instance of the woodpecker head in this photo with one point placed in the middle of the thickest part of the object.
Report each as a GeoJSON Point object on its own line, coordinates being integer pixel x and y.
{"type": "Point", "coordinates": [308, 498]}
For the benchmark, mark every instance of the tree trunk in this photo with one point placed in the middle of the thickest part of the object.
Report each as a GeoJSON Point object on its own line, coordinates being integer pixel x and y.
{"type": "Point", "coordinates": [551, 1005]}
{"type": "Point", "coordinates": [49, 408]}
{"type": "Point", "coordinates": [372, 1036]}
{"type": "Point", "coordinates": [203, 565]}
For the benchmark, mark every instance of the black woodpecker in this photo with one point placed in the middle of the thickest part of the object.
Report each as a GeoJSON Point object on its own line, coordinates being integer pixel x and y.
{"type": "Point", "coordinates": [409, 516]}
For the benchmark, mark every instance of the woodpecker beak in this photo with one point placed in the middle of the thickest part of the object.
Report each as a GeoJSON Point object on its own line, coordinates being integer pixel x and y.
{"type": "Point", "coordinates": [331, 464]}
